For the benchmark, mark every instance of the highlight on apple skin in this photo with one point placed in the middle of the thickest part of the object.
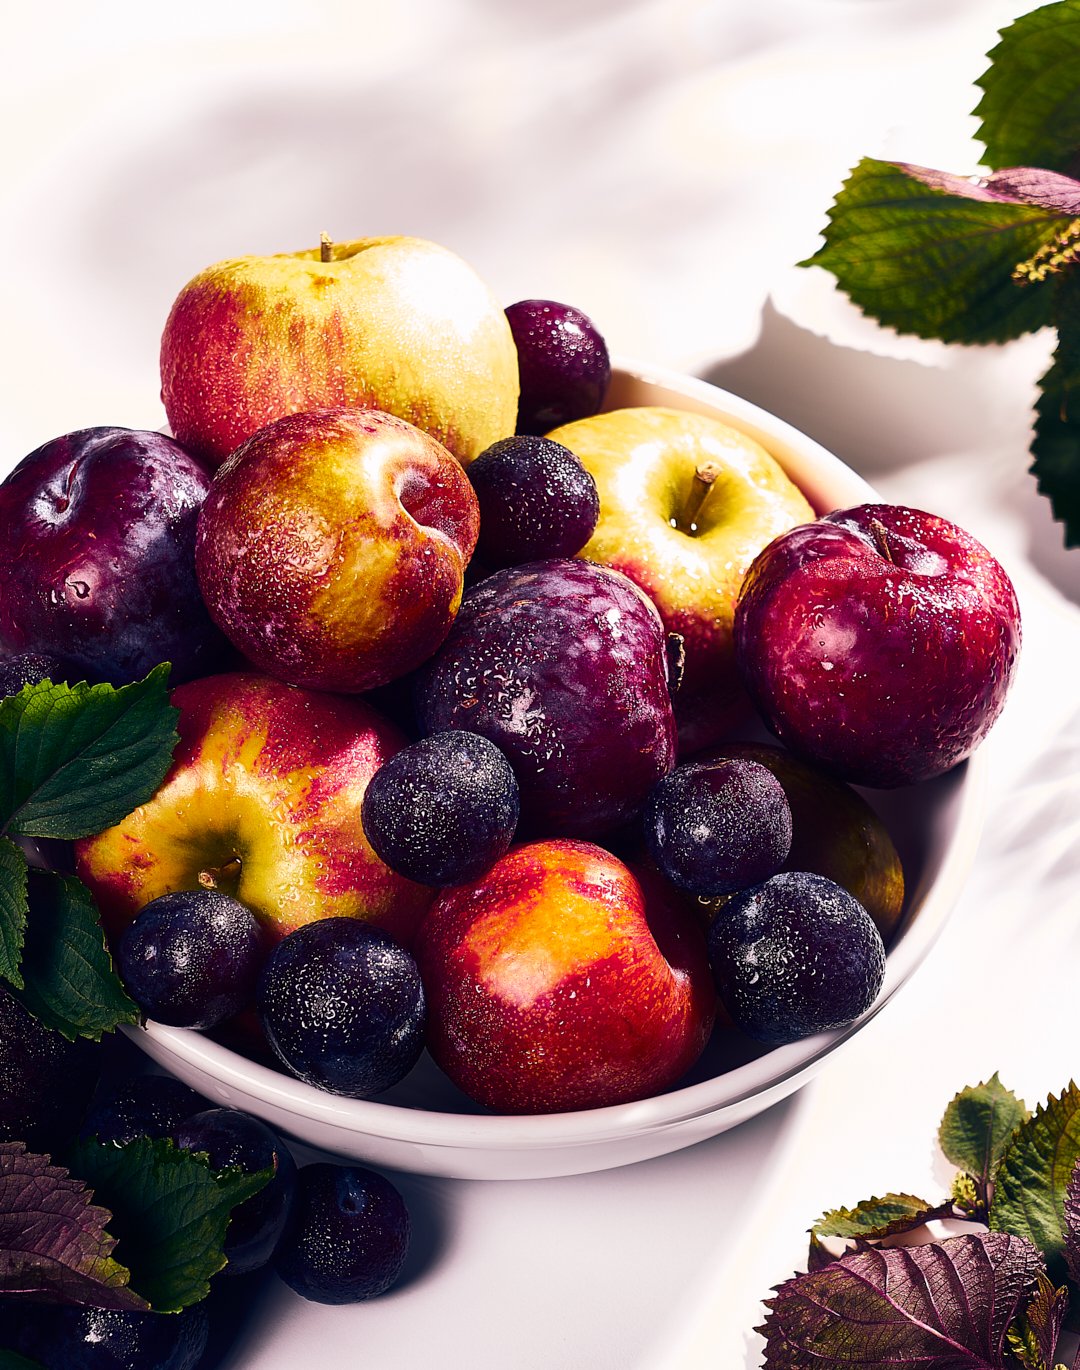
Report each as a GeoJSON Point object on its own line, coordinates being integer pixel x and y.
{"type": "Point", "coordinates": [263, 803]}
{"type": "Point", "coordinates": [879, 642]}
{"type": "Point", "coordinates": [686, 504]}
{"type": "Point", "coordinates": [396, 323]}
{"type": "Point", "coordinates": [332, 547]}
{"type": "Point", "coordinates": [97, 557]}
{"type": "Point", "coordinates": [560, 980]}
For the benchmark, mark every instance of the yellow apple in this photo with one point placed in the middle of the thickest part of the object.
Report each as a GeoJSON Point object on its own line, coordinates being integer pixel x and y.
{"type": "Point", "coordinates": [686, 504]}
{"type": "Point", "coordinates": [397, 324]}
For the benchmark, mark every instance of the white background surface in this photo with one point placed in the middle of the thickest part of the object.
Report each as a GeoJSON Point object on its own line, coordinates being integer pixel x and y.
{"type": "Point", "coordinates": [662, 165]}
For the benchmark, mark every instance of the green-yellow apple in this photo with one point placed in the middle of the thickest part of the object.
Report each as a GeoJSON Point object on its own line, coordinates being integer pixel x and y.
{"type": "Point", "coordinates": [560, 979]}
{"type": "Point", "coordinates": [686, 504]}
{"type": "Point", "coordinates": [262, 802]}
{"type": "Point", "coordinates": [332, 545]}
{"type": "Point", "coordinates": [834, 832]}
{"type": "Point", "coordinates": [398, 324]}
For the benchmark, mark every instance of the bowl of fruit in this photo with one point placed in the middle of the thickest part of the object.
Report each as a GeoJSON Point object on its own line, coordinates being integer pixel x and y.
{"type": "Point", "coordinates": [568, 759]}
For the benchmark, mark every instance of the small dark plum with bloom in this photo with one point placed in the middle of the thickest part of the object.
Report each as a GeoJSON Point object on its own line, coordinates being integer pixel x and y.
{"type": "Point", "coordinates": [232, 1138]}
{"type": "Point", "coordinates": [348, 1238]}
{"type": "Point", "coordinates": [443, 809]}
{"type": "Point", "coordinates": [139, 1106]}
{"type": "Point", "coordinates": [192, 959]}
{"type": "Point", "coordinates": [714, 827]}
{"type": "Point", "coordinates": [29, 668]}
{"type": "Point", "coordinates": [343, 1007]}
{"type": "Point", "coordinates": [795, 955]}
{"type": "Point", "coordinates": [536, 500]}
{"type": "Point", "coordinates": [74, 1338]}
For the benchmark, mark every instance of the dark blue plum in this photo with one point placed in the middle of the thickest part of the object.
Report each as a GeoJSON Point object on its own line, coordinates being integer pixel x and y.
{"type": "Point", "coordinates": [343, 1007]}
{"type": "Point", "coordinates": [45, 1080]}
{"type": "Point", "coordinates": [65, 1338]}
{"type": "Point", "coordinates": [564, 666]}
{"type": "Point", "coordinates": [795, 955]}
{"type": "Point", "coordinates": [536, 500]}
{"type": "Point", "coordinates": [562, 361]}
{"type": "Point", "coordinates": [140, 1106]}
{"type": "Point", "coordinates": [231, 1138]}
{"type": "Point", "coordinates": [348, 1238]}
{"type": "Point", "coordinates": [29, 668]}
{"type": "Point", "coordinates": [714, 827]}
{"type": "Point", "coordinates": [192, 959]}
{"type": "Point", "coordinates": [443, 809]}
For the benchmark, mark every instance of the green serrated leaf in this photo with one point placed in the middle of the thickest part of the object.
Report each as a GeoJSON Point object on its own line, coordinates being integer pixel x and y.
{"type": "Point", "coordinates": [875, 1218]}
{"type": "Point", "coordinates": [12, 911]}
{"type": "Point", "coordinates": [76, 759]}
{"type": "Point", "coordinates": [1029, 1190]}
{"type": "Point", "coordinates": [170, 1213]}
{"type": "Point", "coordinates": [926, 261]}
{"type": "Point", "coordinates": [977, 1126]}
{"type": "Point", "coordinates": [70, 983]}
{"type": "Point", "coordinates": [1030, 107]}
{"type": "Point", "coordinates": [1056, 445]}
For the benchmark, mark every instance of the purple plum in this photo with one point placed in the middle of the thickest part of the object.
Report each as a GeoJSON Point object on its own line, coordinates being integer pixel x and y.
{"type": "Point", "coordinates": [97, 556]}
{"type": "Point", "coordinates": [563, 665]}
{"type": "Point", "coordinates": [563, 363]}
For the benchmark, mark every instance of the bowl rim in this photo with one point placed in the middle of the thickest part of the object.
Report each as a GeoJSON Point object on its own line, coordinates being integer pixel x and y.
{"type": "Point", "coordinates": [775, 1073]}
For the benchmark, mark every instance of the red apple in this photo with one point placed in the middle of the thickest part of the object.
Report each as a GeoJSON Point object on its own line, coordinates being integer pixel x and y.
{"type": "Point", "coordinates": [398, 324]}
{"type": "Point", "coordinates": [263, 802]}
{"type": "Point", "coordinates": [878, 642]}
{"type": "Point", "coordinates": [332, 547]}
{"type": "Point", "coordinates": [686, 503]}
{"type": "Point", "coordinates": [560, 980]}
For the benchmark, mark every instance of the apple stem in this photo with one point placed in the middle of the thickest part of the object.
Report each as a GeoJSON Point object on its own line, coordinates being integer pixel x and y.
{"type": "Point", "coordinates": [217, 876]}
{"type": "Point", "coordinates": [881, 537]}
{"type": "Point", "coordinates": [326, 248]}
{"type": "Point", "coordinates": [702, 483]}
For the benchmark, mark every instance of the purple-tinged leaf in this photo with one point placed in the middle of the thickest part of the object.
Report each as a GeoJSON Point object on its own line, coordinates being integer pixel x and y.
{"type": "Point", "coordinates": [944, 1306]}
{"type": "Point", "coordinates": [53, 1243]}
{"type": "Point", "coordinates": [1033, 1338]}
{"type": "Point", "coordinates": [1033, 186]}
{"type": "Point", "coordinates": [1072, 1225]}
{"type": "Point", "coordinates": [1018, 185]}
{"type": "Point", "coordinates": [935, 261]}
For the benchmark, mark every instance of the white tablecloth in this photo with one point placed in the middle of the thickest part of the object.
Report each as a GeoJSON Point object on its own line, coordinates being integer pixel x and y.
{"type": "Point", "coordinates": [662, 164]}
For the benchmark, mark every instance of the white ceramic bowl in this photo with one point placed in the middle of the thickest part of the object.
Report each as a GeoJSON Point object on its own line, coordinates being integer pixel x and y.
{"type": "Point", "coordinates": [424, 1124]}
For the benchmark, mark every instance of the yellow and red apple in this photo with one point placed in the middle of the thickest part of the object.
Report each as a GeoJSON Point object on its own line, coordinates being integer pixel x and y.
{"type": "Point", "coordinates": [332, 545]}
{"type": "Point", "coordinates": [560, 980]}
{"type": "Point", "coordinates": [686, 504]}
{"type": "Point", "coordinates": [397, 323]}
{"type": "Point", "coordinates": [262, 802]}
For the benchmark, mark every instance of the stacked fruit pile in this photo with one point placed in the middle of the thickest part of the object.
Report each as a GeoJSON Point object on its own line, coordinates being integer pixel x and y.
{"type": "Point", "coordinates": [344, 445]}
{"type": "Point", "coordinates": [461, 663]}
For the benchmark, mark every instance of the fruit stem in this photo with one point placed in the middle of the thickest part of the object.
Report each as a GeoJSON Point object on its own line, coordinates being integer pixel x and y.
{"type": "Point", "coordinates": [225, 876]}
{"type": "Point", "coordinates": [676, 659]}
{"type": "Point", "coordinates": [326, 248]}
{"type": "Point", "coordinates": [881, 537]}
{"type": "Point", "coordinates": [702, 483]}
